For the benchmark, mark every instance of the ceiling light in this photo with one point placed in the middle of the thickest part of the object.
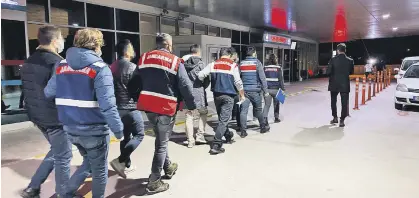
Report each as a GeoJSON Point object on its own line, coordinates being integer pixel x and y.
{"type": "Point", "coordinates": [395, 28]}
{"type": "Point", "coordinates": [386, 16]}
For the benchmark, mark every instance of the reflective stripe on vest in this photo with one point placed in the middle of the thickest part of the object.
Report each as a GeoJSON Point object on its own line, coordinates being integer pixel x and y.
{"type": "Point", "coordinates": [272, 79]}
{"type": "Point", "coordinates": [76, 103]}
{"type": "Point", "coordinates": [248, 67]}
{"type": "Point", "coordinates": [223, 65]}
{"type": "Point", "coordinates": [160, 60]}
{"type": "Point", "coordinates": [157, 103]}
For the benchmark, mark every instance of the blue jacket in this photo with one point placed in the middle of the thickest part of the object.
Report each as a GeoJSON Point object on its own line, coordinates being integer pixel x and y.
{"type": "Point", "coordinates": [84, 94]}
{"type": "Point", "coordinates": [253, 75]}
{"type": "Point", "coordinates": [274, 77]}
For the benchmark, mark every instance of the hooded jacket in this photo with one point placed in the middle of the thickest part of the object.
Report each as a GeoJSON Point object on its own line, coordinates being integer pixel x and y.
{"type": "Point", "coordinates": [193, 65]}
{"type": "Point", "coordinates": [84, 94]}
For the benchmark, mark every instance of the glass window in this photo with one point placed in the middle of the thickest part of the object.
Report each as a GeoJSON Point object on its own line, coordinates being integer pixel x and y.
{"type": "Point", "coordinates": [200, 29]}
{"type": "Point", "coordinates": [67, 12]}
{"type": "Point", "coordinates": [127, 20]}
{"type": "Point", "coordinates": [244, 52]}
{"type": "Point", "coordinates": [185, 28]}
{"type": "Point", "coordinates": [99, 17]}
{"type": "Point", "coordinates": [168, 26]}
{"type": "Point", "coordinates": [149, 24]}
{"type": "Point", "coordinates": [256, 37]}
{"type": "Point", "coordinates": [37, 10]}
{"type": "Point", "coordinates": [245, 38]}
{"type": "Point", "coordinates": [238, 50]}
{"type": "Point", "coordinates": [226, 33]}
{"type": "Point", "coordinates": [235, 38]}
{"type": "Point", "coordinates": [135, 40]}
{"type": "Point", "coordinates": [214, 31]}
{"type": "Point", "coordinates": [108, 51]}
{"type": "Point", "coordinates": [147, 43]}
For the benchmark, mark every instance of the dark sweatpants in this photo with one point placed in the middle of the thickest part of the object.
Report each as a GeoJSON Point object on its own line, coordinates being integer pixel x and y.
{"type": "Point", "coordinates": [344, 97]}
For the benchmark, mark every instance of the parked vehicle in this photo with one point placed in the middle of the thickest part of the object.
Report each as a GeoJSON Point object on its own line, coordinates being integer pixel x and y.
{"type": "Point", "coordinates": [407, 90]}
{"type": "Point", "coordinates": [407, 62]}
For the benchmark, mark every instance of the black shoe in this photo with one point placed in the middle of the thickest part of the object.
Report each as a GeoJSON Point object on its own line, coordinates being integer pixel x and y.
{"type": "Point", "coordinates": [334, 121]}
{"type": "Point", "coordinates": [243, 133]}
{"type": "Point", "coordinates": [277, 120]}
{"type": "Point", "coordinates": [171, 170]}
{"type": "Point", "coordinates": [30, 193]}
{"type": "Point", "coordinates": [229, 137]}
{"type": "Point", "coordinates": [342, 123]}
{"type": "Point", "coordinates": [157, 186]}
{"type": "Point", "coordinates": [266, 121]}
{"type": "Point", "coordinates": [265, 129]}
{"type": "Point", "coordinates": [216, 149]}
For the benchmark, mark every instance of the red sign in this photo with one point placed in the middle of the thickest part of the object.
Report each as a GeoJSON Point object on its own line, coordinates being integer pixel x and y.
{"type": "Point", "coordinates": [277, 39]}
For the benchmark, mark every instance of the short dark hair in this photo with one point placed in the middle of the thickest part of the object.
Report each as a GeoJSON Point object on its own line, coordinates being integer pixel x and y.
{"type": "Point", "coordinates": [195, 48]}
{"type": "Point", "coordinates": [122, 46]}
{"type": "Point", "coordinates": [47, 33]}
{"type": "Point", "coordinates": [226, 51]}
{"type": "Point", "coordinates": [341, 47]}
{"type": "Point", "coordinates": [250, 51]}
{"type": "Point", "coordinates": [162, 39]}
{"type": "Point", "coordinates": [272, 60]}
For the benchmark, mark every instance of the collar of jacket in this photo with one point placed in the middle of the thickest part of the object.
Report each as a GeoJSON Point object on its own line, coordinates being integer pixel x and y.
{"type": "Point", "coordinates": [250, 57]}
{"type": "Point", "coordinates": [41, 48]}
{"type": "Point", "coordinates": [164, 49]}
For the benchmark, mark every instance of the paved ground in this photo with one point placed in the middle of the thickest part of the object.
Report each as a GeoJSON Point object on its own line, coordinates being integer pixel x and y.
{"type": "Point", "coordinates": [302, 157]}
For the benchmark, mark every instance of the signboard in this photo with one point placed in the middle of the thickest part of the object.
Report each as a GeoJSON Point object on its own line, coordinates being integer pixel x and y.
{"type": "Point", "coordinates": [14, 4]}
{"type": "Point", "coordinates": [272, 38]}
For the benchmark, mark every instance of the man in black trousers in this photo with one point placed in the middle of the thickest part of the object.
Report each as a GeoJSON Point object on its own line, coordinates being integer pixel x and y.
{"type": "Point", "coordinates": [339, 69]}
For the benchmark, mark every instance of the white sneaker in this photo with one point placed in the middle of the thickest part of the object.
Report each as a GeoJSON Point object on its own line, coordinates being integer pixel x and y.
{"type": "Point", "coordinates": [119, 168]}
{"type": "Point", "coordinates": [201, 140]}
{"type": "Point", "coordinates": [191, 144]}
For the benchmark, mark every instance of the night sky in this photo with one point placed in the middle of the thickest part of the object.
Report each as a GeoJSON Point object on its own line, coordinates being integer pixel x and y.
{"type": "Point", "coordinates": [391, 50]}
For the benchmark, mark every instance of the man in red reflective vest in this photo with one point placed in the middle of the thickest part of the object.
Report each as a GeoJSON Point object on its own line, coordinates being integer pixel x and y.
{"type": "Point", "coordinates": [159, 83]}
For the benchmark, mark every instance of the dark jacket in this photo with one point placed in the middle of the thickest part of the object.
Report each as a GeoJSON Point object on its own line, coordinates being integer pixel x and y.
{"type": "Point", "coordinates": [339, 69]}
{"type": "Point", "coordinates": [84, 94]}
{"type": "Point", "coordinates": [35, 73]}
{"type": "Point", "coordinates": [193, 65]}
{"type": "Point", "coordinates": [274, 77]}
{"type": "Point", "coordinates": [122, 70]}
{"type": "Point", "coordinates": [253, 75]}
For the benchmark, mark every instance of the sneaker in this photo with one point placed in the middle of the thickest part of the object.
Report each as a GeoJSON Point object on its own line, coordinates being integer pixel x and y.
{"type": "Point", "coordinates": [216, 149]}
{"type": "Point", "coordinates": [171, 170]}
{"type": "Point", "coordinates": [342, 123]}
{"type": "Point", "coordinates": [30, 193]}
{"type": "Point", "coordinates": [191, 144]}
{"type": "Point", "coordinates": [265, 129]}
{"type": "Point", "coordinates": [334, 121]}
{"type": "Point", "coordinates": [277, 120]}
{"type": "Point", "coordinates": [118, 167]}
{"type": "Point", "coordinates": [201, 140]}
{"type": "Point", "coordinates": [243, 133]}
{"type": "Point", "coordinates": [157, 186]}
{"type": "Point", "coordinates": [130, 169]}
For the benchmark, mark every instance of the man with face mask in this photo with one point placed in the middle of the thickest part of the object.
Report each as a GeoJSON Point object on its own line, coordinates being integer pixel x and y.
{"type": "Point", "coordinates": [132, 119]}
{"type": "Point", "coordinates": [35, 73]}
{"type": "Point", "coordinates": [84, 94]}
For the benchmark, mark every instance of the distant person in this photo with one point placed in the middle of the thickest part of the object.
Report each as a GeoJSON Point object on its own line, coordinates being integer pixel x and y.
{"type": "Point", "coordinates": [255, 85]}
{"type": "Point", "coordinates": [122, 70]}
{"type": "Point", "coordinates": [339, 69]}
{"type": "Point", "coordinates": [236, 111]}
{"type": "Point", "coordinates": [368, 69]}
{"type": "Point", "coordinates": [159, 83]}
{"type": "Point", "coordinates": [35, 73]}
{"type": "Point", "coordinates": [84, 94]}
{"type": "Point", "coordinates": [193, 65]}
{"type": "Point", "coordinates": [381, 67]}
{"type": "Point", "coordinates": [225, 83]}
{"type": "Point", "coordinates": [275, 80]}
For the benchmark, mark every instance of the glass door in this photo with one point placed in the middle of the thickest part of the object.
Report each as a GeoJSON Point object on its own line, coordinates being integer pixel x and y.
{"type": "Point", "coordinates": [287, 65]}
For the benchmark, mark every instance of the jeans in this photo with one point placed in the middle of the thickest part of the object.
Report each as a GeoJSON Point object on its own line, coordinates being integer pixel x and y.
{"type": "Point", "coordinates": [162, 126]}
{"type": "Point", "coordinates": [94, 150]}
{"type": "Point", "coordinates": [256, 99]}
{"type": "Point", "coordinates": [58, 157]}
{"type": "Point", "coordinates": [133, 134]}
{"type": "Point", "coordinates": [224, 105]}
{"type": "Point", "coordinates": [202, 115]}
{"type": "Point", "coordinates": [268, 102]}
{"type": "Point", "coordinates": [344, 97]}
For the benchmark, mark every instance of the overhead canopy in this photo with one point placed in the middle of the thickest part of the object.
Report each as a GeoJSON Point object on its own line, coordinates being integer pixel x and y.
{"type": "Point", "coordinates": [322, 20]}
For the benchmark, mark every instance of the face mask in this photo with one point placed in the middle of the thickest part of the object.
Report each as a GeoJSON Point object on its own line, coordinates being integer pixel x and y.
{"type": "Point", "coordinates": [60, 46]}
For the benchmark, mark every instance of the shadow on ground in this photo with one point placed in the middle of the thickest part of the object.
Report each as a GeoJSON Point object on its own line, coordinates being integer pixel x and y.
{"type": "Point", "coordinates": [319, 134]}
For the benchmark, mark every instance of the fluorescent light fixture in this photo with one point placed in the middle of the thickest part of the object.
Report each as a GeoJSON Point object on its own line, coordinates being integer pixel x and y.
{"type": "Point", "coordinates": [372, 61]}
{"type": "Point", "coordinates": [395, 28]}
{"type": "Point", "coordinates": [386, 16]}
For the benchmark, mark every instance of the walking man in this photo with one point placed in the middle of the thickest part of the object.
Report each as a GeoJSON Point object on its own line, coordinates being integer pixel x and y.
{"type": "Point", "coordinates": [159, 83]}
{"type": "Point", "coordinates": [339, 69]}
{"type": "Point", "coordinates": [35, 73]}
{"type": "Point", "coordinates": [193, 65]}
{"type": "Point", "coordinates": [84, 94]}
{"type": "Point", "coordinates": [275, 81]}
{"type": "Point", "coordinates": [225, 83]}
{"type": "Point", "coordinates": [132, 119]}
{"type": "Point", "coordinates": [254, 83]}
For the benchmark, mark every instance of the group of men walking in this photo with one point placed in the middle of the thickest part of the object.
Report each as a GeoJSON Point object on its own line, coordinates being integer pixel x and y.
{"type": "Point", "coordinates": [80, 100]}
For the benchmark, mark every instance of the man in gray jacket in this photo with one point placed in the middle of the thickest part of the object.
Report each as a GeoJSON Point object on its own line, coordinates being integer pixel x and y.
{"type": "Point", "coordinates": [193, 65]}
